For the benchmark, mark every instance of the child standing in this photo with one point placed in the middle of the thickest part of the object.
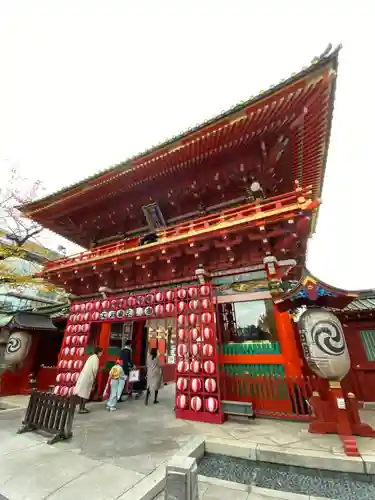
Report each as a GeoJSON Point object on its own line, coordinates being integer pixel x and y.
{"type": "Point", "coordinates": [115, 385]}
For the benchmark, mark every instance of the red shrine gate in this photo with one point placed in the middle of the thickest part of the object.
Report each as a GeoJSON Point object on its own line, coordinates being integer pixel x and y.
{"type": "Point", "coordinates": [198, 385]}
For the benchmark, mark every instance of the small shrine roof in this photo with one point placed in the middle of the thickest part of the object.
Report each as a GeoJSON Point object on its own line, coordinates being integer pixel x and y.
{"type": "Point", "coordinates": [309, 290]}
{"type": "Point", "coordinates": [364, 303]}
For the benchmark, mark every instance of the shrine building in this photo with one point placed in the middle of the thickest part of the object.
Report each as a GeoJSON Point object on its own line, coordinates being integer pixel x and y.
{"type": "Point", "coordinates": [191, 242]}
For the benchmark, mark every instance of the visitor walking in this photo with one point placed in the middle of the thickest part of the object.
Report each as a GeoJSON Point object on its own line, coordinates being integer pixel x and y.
{"type": "Point", "coordinates": [127, 364]}
{"type": "Point", "coordinates": [154, 375]}
{"type": "Point", "coordinates": [87, 379]}
{"type": "Point", "coordinates": [115, 385]}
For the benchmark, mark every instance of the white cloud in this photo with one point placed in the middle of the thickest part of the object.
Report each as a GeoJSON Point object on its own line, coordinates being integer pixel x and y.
{"type": "Point", "coordinates": [87, 84]}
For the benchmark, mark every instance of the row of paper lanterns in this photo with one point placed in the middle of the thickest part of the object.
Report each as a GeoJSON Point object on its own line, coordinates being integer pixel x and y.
{"type": "Point", "coordinates": [194, 334]}
{"type": "Point", "coordinates": [70, 364]}
{"type": "Point", "coordinates": [141, 300]}
{"type": "Point", "coordinates": [206, 350]}
{"type": "Point", "coordinates": [75, 340]}
{"type": "Point", "coordinates": [67, 377]}
{"type": "Point", "coordinates": [192, 319]}
{"type": "Point", "coordinates": [73, 351]}
{"type": "Point", "coordinates": [195, 366]}
{"type": "Point", "coordinates": [211, 404]}
{"type": "Point", "coordinates": [209, 385]}
{"type": "Point", "coordinates": [63, 390]}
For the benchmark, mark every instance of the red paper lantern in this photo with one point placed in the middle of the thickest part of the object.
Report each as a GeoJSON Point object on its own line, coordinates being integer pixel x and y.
{"type": "Point", "coordinates": [181, 293]}
{"type": "Point", "coordinates": [95, 316]}
{"type": "Point", "coordinates": [194, 334]}
{"type": "Point", "coordinates": [181, 307]}
{"type": "Point", "coordinates": [182, 334]}
{"type": "Point", "coordinates": [80, 351]}
{"type": "Point", "coordinates": [71, 391]}
{"type": "Point", "coordinates": [60, 378]}
{"type": "Point", "coordinates": [75, 377]}
{"type": "Point", "coordinates": [196, 403]}
{"type": "Point", "coordinates": [150, 299]}
{"type": "Point", "coordinates": [85, 327]}
{"type": "Point", "coordinates": [76, 308]}
{"type": "Point", "coordinates": [68, 377]}
{"type": "Point", "coordinates": [193, 292]}
{"type": "Point", "coordinates": [209, 367]}
{"type": "Point", "coordinates": [182, 320]}
{"type": "Point", "coordinates": [206, 303]}
{"type": "Point", "coordinates": [208, 350]}
{"type": "Point", "coordinates": [210, 385]}
{"type": "Point", "coordinates": [72, 351]}
{"type": "Point", "coordinates": [193, 305]}
{"type": "Point", "coordinates": [98, 304]}
{"type": "Point", "coordinates": [206, 318]}
{"type": "Point", "coordinates": [68, 340]}
{"type": "Point", "coordinates": [89, 306]}
{"type": "Point", "coordinates": [159, 297]}
{"type": "Point", "coordinates": [195, 366]}
{"type": "Point", "coordinates": [56, 390]}
{"type": "Point", "coordinates": [193, 319]}
{"type": "Point", "coordinates": [169, 295]}
{"type": "Point", "coordinates": [64, 390]}
{"type": "Point", "coordinates": [78, 365]}
{"type": "Point", "coordinates": [195, 349]}
{"type": "Point", "coordinates": [181, 350]}
{"type": "Point", "coordinates": [182, 367]}
{"type": "Point", "coordinates": [169, 308]}
{"type": "Point", "coordinates": [196, 385]}
{"type": "Point", "coordinates": [72, 318]}
{"type": "Point", "coordinates": [159, 309]}
{"type": "Point", "coordinates": [66, 351]}
{"type": "Point", "coordinates": [83, 307]}
{"type": "Point", "coordinates": [60, 364]}
{"type": "Point", "coordinates": [79, 328]}
{"type": "Point", "coordinates": [69, 364]}
{"type": "Point", "coordinates": [83, 340]}
{"type": "Point", "coordinates": [80, 318]}
{"type": "Point", "coordinates": [75, 340]}
{"type": "Point", "coordinates": [69, 328]}
{"type": "Point", "coordinates": [205, 290]}
{"type": "Point", "coordinates": [208, 333]}
{"type": "Point", "coordinates": [212, 404]}
{"type": "Point", "coordinates": [132, 301]}
{"type": "Point", "coordinates": [182, 383]}
{"type": "Point", "coordinates": [181, 401]}
{"type": "Point", "coordinates": [86, 316]}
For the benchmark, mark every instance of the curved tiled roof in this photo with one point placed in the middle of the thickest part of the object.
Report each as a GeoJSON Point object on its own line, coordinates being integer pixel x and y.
{"type": "Point", "coordinates": [327, 55]}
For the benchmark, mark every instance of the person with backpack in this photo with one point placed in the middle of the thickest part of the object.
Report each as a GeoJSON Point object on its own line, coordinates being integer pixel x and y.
{"type": "Point", "coordinates": [115, 385]}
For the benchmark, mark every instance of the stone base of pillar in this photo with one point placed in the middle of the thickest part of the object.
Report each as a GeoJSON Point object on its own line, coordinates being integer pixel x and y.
{"type": "Point", "coordinates": [181, 479]}
{"type": "Point", "coordinates": [335, 414]}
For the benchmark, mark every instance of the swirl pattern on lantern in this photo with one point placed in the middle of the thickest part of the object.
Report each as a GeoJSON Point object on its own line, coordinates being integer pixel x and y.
{"type": "Point", "coordinates": [329, 338]}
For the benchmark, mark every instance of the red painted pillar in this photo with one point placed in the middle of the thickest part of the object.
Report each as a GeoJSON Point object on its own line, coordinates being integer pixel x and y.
{"type": "Point", "coordinates": [289, 349]}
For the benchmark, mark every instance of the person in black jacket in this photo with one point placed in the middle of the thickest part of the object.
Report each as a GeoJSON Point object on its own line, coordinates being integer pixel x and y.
{"type": "Point", "coordinates": [127, 362]}
{"type": "Point", "coordinates": [126, 358]}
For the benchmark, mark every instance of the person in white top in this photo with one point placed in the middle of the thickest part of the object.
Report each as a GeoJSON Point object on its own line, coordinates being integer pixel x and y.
{"type": "Point", "coordinates": [87, 379]}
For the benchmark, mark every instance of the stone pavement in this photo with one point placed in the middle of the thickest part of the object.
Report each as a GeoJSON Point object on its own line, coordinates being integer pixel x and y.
{"type": "Point", "coordinates": [110, 453]}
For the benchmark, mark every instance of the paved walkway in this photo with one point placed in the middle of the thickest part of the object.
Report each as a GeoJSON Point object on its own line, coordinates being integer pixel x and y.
{"type": "Point", "coordinates": [109, 453]}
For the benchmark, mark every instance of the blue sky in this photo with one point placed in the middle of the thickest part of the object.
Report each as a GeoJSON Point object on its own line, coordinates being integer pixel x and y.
{"type": "Point", "coordinates": [86, 84]}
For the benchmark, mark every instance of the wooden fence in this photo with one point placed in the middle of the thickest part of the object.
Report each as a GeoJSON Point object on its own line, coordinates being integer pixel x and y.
{"type": "Point", "coordinates": [273, 396]}
{"type": "Point", "coordinates": [51, 414]}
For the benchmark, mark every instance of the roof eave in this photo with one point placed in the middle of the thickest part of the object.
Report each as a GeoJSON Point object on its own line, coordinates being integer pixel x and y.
{"type": "Point", "coordinates": [317, 63]}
